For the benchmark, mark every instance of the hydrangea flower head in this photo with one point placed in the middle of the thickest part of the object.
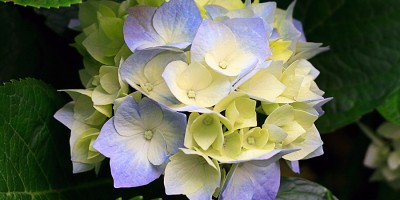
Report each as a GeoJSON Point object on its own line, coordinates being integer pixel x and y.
{"type": "Point", "coordinates": [227, 64]}
{"type": "Point", "coordinates": [383, 154]}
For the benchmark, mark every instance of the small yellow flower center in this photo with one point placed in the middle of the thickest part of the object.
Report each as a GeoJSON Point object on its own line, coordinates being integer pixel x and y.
{"type": "Point", "coordinates": [148, 134]}
{"type": "Point", "coordinates": [223, 64]}
{"type": "Point", "coordinates": [191, 94]}
{"type": "Point", "coordinates": [149, 87]}
{"type": "Point", "coordinates": [208, 121]}
{"type": "Point", "coordinates": [251, 141]}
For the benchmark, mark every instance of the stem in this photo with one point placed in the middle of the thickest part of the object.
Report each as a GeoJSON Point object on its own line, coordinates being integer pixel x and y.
{"type": "Point", "coordinates": [370, 134]}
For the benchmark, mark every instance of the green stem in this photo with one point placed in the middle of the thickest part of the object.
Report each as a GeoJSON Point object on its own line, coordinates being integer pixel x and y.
{"type": "Point", "coordinates": [370, 134]}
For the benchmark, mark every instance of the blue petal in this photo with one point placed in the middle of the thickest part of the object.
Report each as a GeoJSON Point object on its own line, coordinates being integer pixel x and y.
{"type": "Point", "coordinates": [128, 160]}
{"type": "Point", "coordinates": [294, 166]}
{"type": "Point", "coordinates": [127, 119]}
{"type": "Point", "coordinates": [299, 26]}
{"type": "Point", "coordinates": [173, 129]}
{"type": "Point", "coordinates": [172, 26]}
{"type": "Point", "coordinates": [251, 36]}
{"type": "Point", "coordinates": [133, 71]}
{"type": "Point", "coordinates": [177, 21]}
{"type": "Point", "coordinates": [138, 29]}
{"type": "Point", "coordinates": [252, 180]}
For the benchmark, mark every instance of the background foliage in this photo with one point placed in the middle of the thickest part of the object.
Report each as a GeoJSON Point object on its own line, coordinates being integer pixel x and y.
{"type": "Point", "coordinates": [361, 72]}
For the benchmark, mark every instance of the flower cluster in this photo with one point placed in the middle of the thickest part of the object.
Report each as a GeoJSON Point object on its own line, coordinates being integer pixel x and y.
{"type": "Point", "coordinates": [209, 93]}
{"type": "Point", "coordinates": [383, 154]}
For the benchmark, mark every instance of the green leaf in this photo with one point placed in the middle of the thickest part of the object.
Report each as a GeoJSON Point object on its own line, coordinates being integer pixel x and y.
{"type": "Point", "coordinates": [391, 108]}
{"type": "Point", "coordinates": [362, 67]}
{"type": "Point", "coordinates": [300, 189]}
{"type": "Point", "coordinates": [34, 154]}
{"type": "Point", "coordinates": [44, 3]}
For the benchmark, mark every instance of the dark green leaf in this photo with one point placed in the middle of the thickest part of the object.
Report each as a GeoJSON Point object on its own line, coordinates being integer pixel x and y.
{"type": "Point", "coordinates": [363, 66]}
{"type": "Point", "coordinates": [300, 189]}
{"type": "Point", "coordinates": [44, 3]}
{"type": "Point", "coordinates": [391, 108]}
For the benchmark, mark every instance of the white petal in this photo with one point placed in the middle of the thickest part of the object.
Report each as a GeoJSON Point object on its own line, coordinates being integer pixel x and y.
{"type": "Point", "coordinates": [215, 92]}
{"type": "Point", "coordinates": [312, 141]}
{"type": "Point", "coordinates": [171, 75]}
{"type": "Point", "coordinates": [66, 114]}
{"type": "Point", "coordinates": [157, 152]}
{"type": "Point", "coordinates": [191, 175]}
{"type": "Point", "coordinates": [212, 37]}
{"type": "Point", "coordinates": [263, 86]}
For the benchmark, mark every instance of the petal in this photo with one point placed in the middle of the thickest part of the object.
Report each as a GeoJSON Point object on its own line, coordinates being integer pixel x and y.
{"type": "Point", "coordinates": [151, 113]}
{"type": "Point", "coordinates": [146, 67]}
{"type": "Point", "coordinates": [232, 144]}
{"type": "Point", "coordinates": [192, 175]}
{"type": "Point", "coordinates": [155, 67]}
{"type": "Point", "coordinates": [263, 86]}
{"type": "Point", "coordinates": [373, 156]}
{"type": "Point", "coordinates": [225, 102]}
{"type": "Point", "coordinates": [215, 92]}
{"type": "Point", "coordinates": [66, 114]}
{"type": "Point", "coordinates": [307, 50]}
{"type": "Point", "coordinates": [172, 75]}
{"type": "Point", "coordinates": [102, 97]}
{"type": "Point", "coordinates": [311, 142]}
{"type": "Point", "coordinates": [251, 36]}
{"type": "Point", "coordinates": [138, 30]}
{"type": "Point", "coordinates": [195, 77]}
{"type": "Point", "coordinates": [157, 152]}
{"type": "Point", "coordinates": [109, 79]}
{"type": "Point", "coordinates": [132, 169]}
{"type": "Point", "coordinates": [294, 166]}
{"type": "Point", "coordinates": [265, 11]}
{"type": "Point", "coordinates": [127, 119]}
{"type": "Point", "coordinates": [206, 129]}
{"type": "Point", "coordinates": [281, 116]}
{"type": "Point", "coordinates": [299, 26]}
{"type": "Point", "coordinates": [252, 180]}
{"type": "Point", "coordinates": [128, 157]}
{"type": "Point", "coordinates": [177, 21]}
{"type": "Point", "coordinates": [215, 11]}
{"type": "Point", "coordinates": [189, 141]}
{"type": "Point", "coordinates": [173, 129]}
{"type": "Point", "coordinates": [253, 154]}
{"type": "Point", "coordinates": [246, 75]}
{"type": "Point", "coordinates": [236, 63]}
{"type": "Point", "coordinates": [212, 37]}
{"type": "Point", "coordinates": [78, 167]}
{"type": "Point", "coordinates": [132, 70]}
